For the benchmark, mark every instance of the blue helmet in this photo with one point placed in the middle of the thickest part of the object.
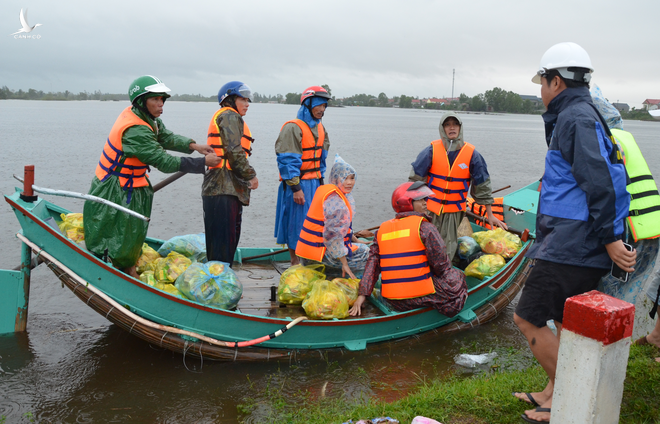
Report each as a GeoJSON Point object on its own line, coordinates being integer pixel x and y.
{"type": "Point", "coordinates": [236, 88]}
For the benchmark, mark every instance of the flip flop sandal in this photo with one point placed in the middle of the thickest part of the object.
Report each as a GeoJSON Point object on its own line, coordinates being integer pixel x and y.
{"type": "Point", "coordinates": [642, 341]}
{"type": "Point", "coordinates": [529, 396]}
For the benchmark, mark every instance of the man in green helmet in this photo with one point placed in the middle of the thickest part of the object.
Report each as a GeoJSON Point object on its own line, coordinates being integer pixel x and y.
{"type": "Point", "coordinates": [138, 140]}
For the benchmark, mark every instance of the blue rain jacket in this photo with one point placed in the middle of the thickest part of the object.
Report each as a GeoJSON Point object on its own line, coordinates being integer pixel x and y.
{"type": "Point", "coordinates": [583, 201]}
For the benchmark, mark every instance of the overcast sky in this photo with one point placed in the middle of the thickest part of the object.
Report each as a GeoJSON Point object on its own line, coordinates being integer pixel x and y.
{"type": "Point", "coordinates": [355, 46]}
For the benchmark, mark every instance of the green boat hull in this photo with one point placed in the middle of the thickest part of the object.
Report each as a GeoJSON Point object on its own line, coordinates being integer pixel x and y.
{"type": "Point", "coordinates": [164, 309]}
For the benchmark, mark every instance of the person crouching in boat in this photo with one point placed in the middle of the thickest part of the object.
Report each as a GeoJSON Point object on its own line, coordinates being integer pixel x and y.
{"type": "Point", "coordinates": [137, 140]}
{"type": "Point", "coordinates": [411, 258]}
{"type": "Point", "coordinates": [327, 233]}
{"type": "Point", "coordinates": [450, 167]}
{"type": "Point", "coordinates": [226, 187]}
{"type": "Point", "coordinates": [301, 150]}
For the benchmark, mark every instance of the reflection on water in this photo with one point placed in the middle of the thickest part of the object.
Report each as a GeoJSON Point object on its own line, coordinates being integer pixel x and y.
{"type": "Point", "coordinates": [73, 366]}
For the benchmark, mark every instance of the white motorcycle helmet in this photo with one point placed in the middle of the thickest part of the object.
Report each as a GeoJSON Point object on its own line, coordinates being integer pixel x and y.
{"type": "Point", "coordinates": [563, 56]}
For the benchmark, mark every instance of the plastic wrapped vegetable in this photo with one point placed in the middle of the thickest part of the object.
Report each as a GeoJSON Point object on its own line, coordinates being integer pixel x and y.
{"type": "Point", "coordinates": [148, 255]}
{"type": "Point", "coordinates": [498, 241]}
{"type": "Point", "coordinates": [326, 300]}
{"type": "Point", "coordinates": [168, 269]}
{"type": "Point", "coordinates": [192, 246]}
{"type": "Point", "coordinates": [350, 288]}
{"type": "Point", "coordinates": [297, 281]}
{"type": "Point", "coordinates": [72, 226]}
{"type": "Point", "coordinates": [147, 277]}
{"type": "Point", "coordinates": [485, 266]}
{"type": "Point", "coordinates": [212, 283]}
{"type": "Point", "coordinates": [467, 247]}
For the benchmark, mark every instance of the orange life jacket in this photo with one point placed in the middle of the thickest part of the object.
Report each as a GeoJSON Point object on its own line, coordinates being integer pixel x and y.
{"type": "Point", "coordinates": [497, 208]}
{"type": "Point", "coordinates": [132, 172]}
{"type": "Point", "coordinates": [311, 150]}
{"type": "Point", "coordinates": [450, 184]}
{"type": "Point", "coordinates": [214, 140]}
{"type": "Point", "coordinates": [404, 267]}
{"type": "Point", "coordinates": [310, 243]}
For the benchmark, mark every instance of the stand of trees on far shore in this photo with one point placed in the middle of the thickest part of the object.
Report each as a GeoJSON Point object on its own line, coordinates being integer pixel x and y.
{"type": "Point", "coordinates": [495, 100]}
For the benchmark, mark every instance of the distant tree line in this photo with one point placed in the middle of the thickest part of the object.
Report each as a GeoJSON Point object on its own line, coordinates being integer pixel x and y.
{"type": "Point", "coordinates": [495, 100]}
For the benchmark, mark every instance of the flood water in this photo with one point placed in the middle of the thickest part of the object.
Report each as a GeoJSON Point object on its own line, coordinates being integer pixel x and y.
{"type": "Point", "coordinates": [72, 365]}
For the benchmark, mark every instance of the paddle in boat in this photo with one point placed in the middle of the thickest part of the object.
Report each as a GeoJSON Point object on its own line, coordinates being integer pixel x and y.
{"type": "Point", "coordinates": [259, 328]}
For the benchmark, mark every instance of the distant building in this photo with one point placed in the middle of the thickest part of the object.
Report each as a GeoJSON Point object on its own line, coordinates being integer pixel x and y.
{"type": "Point", "coordinates": [651, 104]}
{"type": "Point", "coordinates": [621, 107]}
{"type": "Point", "coordinates": [536, 101]}
{"type": "Point", "coordinates": [437, 101]}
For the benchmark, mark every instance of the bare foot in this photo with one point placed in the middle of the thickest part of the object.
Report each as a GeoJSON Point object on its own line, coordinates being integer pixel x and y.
{"type": "Point", "coordinates": [131, 270]}
{"type": "Point", "coordinates": [540, 415]}
{"type": "Point", "coordinates": [653, 339]}
{"type": "Point", "coordinates": [295, 260]}
{"type": "Point", "coordinates": [536, 398]}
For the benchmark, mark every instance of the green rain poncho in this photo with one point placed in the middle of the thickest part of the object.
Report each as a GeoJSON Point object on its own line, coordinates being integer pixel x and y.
{"type": "Point", "coordinates": [121, 234]}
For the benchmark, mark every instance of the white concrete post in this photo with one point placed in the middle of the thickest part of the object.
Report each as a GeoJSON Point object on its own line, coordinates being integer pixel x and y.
{"type": "Point", "coordinates": [593, 355]}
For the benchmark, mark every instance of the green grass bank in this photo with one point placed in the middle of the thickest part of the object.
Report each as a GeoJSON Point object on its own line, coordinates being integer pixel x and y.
{"type": "Point", "coordinates": [455, 398]}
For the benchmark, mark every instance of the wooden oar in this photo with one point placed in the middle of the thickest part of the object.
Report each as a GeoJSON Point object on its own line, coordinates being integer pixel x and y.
{"type": "Point", "coordinates": [500, 189]}
{"type": "Point", "coordinates": [264, 255]}
{"type": "Point", "coordinates": [169, 180]}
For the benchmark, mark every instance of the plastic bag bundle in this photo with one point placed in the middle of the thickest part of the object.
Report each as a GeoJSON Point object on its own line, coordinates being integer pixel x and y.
{"type": "Point", "coordinates": [72, 226]}
{"type": "Point", "coordinates": [168, 269]}
{"type": "Point", "coordinates": [485, 266]}
{"type": "Point", "coordinates": [326, 300]}
{"type": "Point", "coordinates": [349, 286]}
{"type": "Point", "coordinates": [192, 246]}
{"type": "Point", "coordinates": [212, 283]}
{"type": "Point", "coordinates": [148, 255]}
{"type": "Point", "coordinates": [498, 241]}
{"type": "Point", "coordinates": [297, 281]}
{"type": "Point", "coordinates": [148, 277]}
{"type": "Point", "coordinates": [467, 247]}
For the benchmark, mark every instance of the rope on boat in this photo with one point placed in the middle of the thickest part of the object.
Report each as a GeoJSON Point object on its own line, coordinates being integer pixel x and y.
{"type": "Point", "coordinates": [75, 195]}
{"type": "Point", "coordinates": [146, 322]}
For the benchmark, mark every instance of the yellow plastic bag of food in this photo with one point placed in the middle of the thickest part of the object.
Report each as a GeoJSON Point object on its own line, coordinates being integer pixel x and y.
{"type": "Point", "coordinates": [148, 277]}
{"type": "Point", "coordinates": [498, 241]}
{"type": "Point", "coordinates": [72, 226]}
{"type": "Point", "coordinates": [326, 300]}
{"type": "Point", "coordinates": [148, 255]}
{"type": "Point", "coordinates": [485, 266]}
{"type": "Point", "coordinates": [297, 281]}
{"type": "Point", "coordinates": [168, 269]}
{"type": "Point", "coordinates": [350, 288]}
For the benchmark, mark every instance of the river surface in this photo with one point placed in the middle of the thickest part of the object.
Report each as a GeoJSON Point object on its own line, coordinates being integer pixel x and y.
{"type": "Point", "coordinates": [72, 365]}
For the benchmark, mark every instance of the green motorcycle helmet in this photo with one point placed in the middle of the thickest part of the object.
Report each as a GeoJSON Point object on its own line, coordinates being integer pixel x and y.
{"type": "Point", "coordinates": [147, 84]}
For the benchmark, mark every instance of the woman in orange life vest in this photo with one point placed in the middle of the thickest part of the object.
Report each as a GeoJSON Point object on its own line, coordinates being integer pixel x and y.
{"type": "Point", "coordinates": [411, 259]}
{"type": "Point", "coordinates": [327, 234]}
{"type": "Point", "coordinates": [450, 166]}
{"type": "Point", "coordinates": [226, 187]}
{"type": "Point", "coordinates": [137, 141]}
{"type": "Point", "coordinates": [301, 150]}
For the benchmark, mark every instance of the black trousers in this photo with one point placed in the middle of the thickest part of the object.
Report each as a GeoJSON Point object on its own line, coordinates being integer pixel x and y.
{"type": "Point", "coordinates": [222, 222]}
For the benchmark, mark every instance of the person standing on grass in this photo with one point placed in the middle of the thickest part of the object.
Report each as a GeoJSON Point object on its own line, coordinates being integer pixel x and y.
{"type": "Point", "coordinates": [580, 220]}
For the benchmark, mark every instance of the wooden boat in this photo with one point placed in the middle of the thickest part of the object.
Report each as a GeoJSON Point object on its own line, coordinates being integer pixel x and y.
{"type": "Point", "coordinates": [255, 330]}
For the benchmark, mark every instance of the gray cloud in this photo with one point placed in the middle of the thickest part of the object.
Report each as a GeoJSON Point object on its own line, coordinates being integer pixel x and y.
{"type": "Point", "coordinates": [354, 46]}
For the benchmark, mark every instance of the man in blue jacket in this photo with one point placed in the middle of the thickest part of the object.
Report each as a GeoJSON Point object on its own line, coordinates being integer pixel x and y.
{"type": "Point", "coordinates": [582, 209]}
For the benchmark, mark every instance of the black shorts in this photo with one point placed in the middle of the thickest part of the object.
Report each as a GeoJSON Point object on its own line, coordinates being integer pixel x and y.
{"type": "Point", "coordinates": [549, 285]}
